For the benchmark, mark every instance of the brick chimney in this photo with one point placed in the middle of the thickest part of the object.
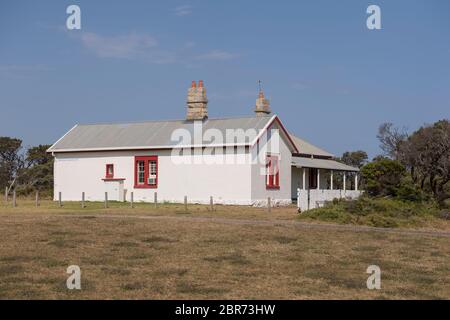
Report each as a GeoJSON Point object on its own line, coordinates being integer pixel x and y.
{"type": "Point", "coordinates": [262, 107]}
{"type": "Point", "coordinates": [197, 102]}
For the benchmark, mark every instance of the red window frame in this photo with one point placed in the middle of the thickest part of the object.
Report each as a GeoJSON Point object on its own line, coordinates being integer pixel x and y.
{"type": "Point", "coordinates": [272, 172]}
{"type": "Point", "coordinates": [147, 160]}
{"type": "Point", "coordinates": [107, 174]}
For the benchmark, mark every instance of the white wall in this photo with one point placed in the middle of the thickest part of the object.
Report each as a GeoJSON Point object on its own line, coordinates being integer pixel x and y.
{"type": "Point", "coordinates": [83, 172]}
{"type": "Point", "coordinates": [260, 193]}
{"type": "Point", "coordinates": [239, 182]}
{"type": "Point", "coordinates": [311, 199]}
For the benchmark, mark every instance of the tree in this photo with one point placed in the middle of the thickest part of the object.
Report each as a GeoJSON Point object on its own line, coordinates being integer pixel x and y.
{"type": "Point", "coordinates": [11, 161]}
{"type": "Point", "coordinates": [354, 158]}
{"type": "Point", "coordinates": [382, 177]}
{"type": "Point", "coordinates": [379, 157]}
{"type": "Point", "coordinates": [391, 138]}
{"type": "Point", "coordinates": [38, 155]}
{"type": "Point", "coordinates": [38, 173]}
{"type": "Point", "coordinates": [25, 172]}
{"type": "Point", "coordinates": [426, 153]}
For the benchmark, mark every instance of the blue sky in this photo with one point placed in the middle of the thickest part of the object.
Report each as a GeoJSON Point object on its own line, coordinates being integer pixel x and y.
{"type": "Point", "coordinates": [330, 79]}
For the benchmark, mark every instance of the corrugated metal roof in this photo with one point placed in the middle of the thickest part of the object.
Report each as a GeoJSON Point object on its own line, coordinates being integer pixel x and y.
{"type": "Point", "coordinates": [321, 164]}
{"type": "Point", "coordinates": [308, 148]}
{"type": "Point", "coordinates": [140, 135]}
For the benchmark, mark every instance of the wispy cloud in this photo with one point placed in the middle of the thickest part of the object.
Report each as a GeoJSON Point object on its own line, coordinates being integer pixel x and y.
{"type": "Point", "coordinates": [145, 47]}
{"type": "Point", "coordinates": [22, 67]}
{"type": "Point", "coordinates": [189, 44]}
{"type": "Point", "coordinates": [183, 10]}
{"type": "Point", "coordinates": [21, 70]}
{"type": "Point", "coordinates": [217, 55]}
{"type": "Point", "coordinates": [122, 46]}
{"type": "Point", "coordinates": [131, 46]}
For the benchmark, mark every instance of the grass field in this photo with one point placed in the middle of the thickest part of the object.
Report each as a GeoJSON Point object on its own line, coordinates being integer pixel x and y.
{"type": "Point", "coordinates": [230, 253]}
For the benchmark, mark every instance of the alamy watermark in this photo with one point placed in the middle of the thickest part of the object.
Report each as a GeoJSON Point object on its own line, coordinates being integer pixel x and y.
{"type": "Point", "coordinates": [74, 280]}
{"type": "Point", "coordinates": [231, 146]}
{"type": "Point", "coordinates": [374, 280]}
{"type": "Point", "coordinates": [373, 22]}
{"type": "Point", "coordinates": [73, 21]}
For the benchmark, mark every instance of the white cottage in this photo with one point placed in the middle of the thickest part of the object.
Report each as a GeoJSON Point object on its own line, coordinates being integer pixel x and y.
{"type": "Point", "coordinates": [241, 161]}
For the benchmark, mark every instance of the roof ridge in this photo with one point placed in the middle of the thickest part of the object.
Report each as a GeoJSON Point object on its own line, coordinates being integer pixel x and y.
{"type": "Point", "coordinates": [155, 133]}
{"type": "Point", "coordinates": [170, 120]}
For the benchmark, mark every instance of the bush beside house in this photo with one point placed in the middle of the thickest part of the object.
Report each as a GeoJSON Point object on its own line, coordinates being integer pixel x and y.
{"type": "Point", "coordinates": [407, 186]}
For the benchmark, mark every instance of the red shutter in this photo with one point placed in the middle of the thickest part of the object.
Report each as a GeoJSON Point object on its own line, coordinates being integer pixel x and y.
{"type": "Point", "coordinates": [109, 167]}
{"type": "Point", "coordinates": [272, 172]}
{"type": "Point", "coordinates": [277, 172]}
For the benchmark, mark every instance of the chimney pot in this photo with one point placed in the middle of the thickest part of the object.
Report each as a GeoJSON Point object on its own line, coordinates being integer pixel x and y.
{"type": "Point", "coordinates": [197, 102]}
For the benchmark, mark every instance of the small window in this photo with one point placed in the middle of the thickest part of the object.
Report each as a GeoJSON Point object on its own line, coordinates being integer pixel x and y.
{"type": "Point", "coordinates": [109, 171]}
{"type": "Point", "coordinates": [272, 172]}
{"type": "Point", "coordinates": [146, 172]}
{"type": "Point", "coordinates": [141, 172]}
{"type": "Point", "coordinates": [152, 172]}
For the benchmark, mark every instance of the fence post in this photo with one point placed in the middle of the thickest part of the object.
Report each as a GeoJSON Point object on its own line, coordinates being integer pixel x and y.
{"type": "Point", "coordinates": [60, 199]}
{"type": "Point", "coordinates": [211, 203]}
{"type": "Point", "coordinates": [82, 200]}
{"type": "Point", "coordinates": [106, 200]}
{"type": "Point", "coordinates": [156, 199]}
{"type": "Point", "coordinates": [6, 195]}
{"type": "Point", "coordinates": [14, 199]}
{"type": "Point", "coordinates": [131, 199]}
{"type": "Point", "coordinates": [185, 204]}
{"type": "Point", "coordinates": [37, 198]}
{"type": "Point", "coordinates": [269, 205]}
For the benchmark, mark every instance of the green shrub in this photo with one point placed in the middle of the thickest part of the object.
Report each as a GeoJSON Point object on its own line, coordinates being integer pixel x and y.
{"type": "Point", "coordinates": [378, 220]}
{"type": "Point", "coordinates": [377, 212]}
{"type": "Point", "coordinates": [408, 191]}
{"type": "Point", "coordinates": [382, 177]}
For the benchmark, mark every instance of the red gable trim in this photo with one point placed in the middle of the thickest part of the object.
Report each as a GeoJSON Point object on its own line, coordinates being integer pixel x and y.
{"type": "Point", "coordinates": [278, 121]}
{"type": "Point", "coordinates": [285, 132]}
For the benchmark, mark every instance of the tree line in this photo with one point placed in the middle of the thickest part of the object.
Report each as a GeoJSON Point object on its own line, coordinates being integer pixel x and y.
{"type": "Point", "coordinates": [25, 170]}
{"type": "Point", "coordinates": [414, 167]}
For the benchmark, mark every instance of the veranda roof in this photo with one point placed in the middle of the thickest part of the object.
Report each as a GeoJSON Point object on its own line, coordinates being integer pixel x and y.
{"type": "Point", "coordinates": [303, 162]}
{"type": "Point", "coordinates": [305, 147]}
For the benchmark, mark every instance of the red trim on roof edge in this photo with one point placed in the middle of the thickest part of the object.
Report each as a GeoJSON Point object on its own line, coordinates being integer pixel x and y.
{"type": "Point", "coordinates": [284, 130]}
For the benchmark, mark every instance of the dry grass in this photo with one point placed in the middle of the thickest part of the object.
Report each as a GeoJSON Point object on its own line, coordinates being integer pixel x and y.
{"type": "Point", "coordinates": [165, 253]}
{"type": "Point", "coordinates": [140, 208]}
